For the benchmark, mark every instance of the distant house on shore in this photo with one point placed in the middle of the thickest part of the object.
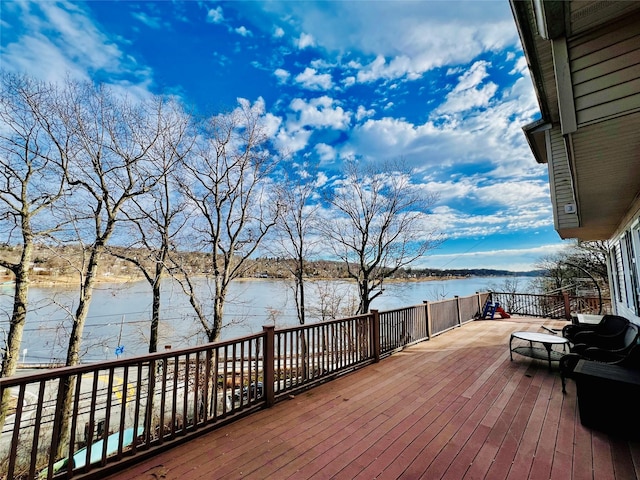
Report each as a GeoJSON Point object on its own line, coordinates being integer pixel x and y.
{"type": "Point", "coordinates": [584, 58]}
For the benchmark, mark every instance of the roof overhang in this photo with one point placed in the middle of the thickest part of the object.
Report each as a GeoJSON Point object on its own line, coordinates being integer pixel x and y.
{"type": "Point", "coordinates": [535, 134]}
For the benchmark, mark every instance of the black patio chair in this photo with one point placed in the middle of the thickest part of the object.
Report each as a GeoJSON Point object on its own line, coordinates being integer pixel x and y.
{"type": "Point", "coordinates": [626, 354]}
{"type": "Point", "coordinates": [614, 341]}
{"type": "Point", "coordinates": [610, 325]}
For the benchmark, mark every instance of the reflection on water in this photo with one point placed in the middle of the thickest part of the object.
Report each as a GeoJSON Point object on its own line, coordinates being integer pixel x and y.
{"type": "Point", "coordinates": [120, 313]}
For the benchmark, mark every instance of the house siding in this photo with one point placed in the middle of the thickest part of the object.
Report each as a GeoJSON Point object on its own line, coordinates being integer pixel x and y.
{"type": "Point", "coordinates": [585, 14]}
{"type": "Point", "coordinates": [605, 71]}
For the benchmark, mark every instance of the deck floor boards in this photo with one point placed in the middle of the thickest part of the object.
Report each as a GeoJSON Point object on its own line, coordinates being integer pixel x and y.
{"type": "Point", "coordinates": [453, 407]}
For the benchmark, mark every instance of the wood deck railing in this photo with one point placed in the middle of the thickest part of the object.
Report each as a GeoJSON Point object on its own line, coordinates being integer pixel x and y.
{"type": "Point", "coordinates": [126, 409]}
{"type": "Point", "coordinates": [561, 305]}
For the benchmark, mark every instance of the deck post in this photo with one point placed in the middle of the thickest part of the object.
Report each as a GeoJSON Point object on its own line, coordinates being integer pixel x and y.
{"type": "Point", "coordinates": [375, 335]}
{"type": "Point", "coordinates": [567, 305]}
{"type": "Point", "coordinates": [458, 310]}
{"type": "Point", "coordinates": [268, 367]}
{"type": "Point", "coordinates": [427, 316]}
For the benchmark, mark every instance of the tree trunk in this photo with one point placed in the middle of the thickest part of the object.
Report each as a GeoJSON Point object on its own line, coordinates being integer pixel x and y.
{"type": "Point", "coordinates": [218, 311]}
{"type": "Point", "coordinates": [16, 329]}
{"type": "Point", "coordinates": [73, 351]}
{"type": "Point", "coordinates": [364, 296]}
{"type": "Point", "coordinates": [155, 316]}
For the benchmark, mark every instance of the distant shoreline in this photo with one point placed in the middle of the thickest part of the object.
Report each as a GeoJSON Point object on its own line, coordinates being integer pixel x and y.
{"type": "Point", "coordinates": [69, 280]}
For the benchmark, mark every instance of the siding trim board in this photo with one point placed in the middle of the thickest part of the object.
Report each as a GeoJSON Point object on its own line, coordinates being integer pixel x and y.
{"type": "Point", "coordinates": [561, 181]}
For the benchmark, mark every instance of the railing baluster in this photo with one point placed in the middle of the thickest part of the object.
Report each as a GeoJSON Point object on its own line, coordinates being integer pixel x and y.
{"type": "Point", "coordinates": [186, 393]}
{"type": "Point", "coordinates": [107, 418]}
{"type": "Point", "coordinates": [197, 397]}
{"type": "Point", "coordinates": [16, 432]}
{"type": "Point", "coordinates": [92, 419]}
{"type": "Point", "coordinates": [36, 430]}
{"type": "Point", "coordinates": [123, 408]}
{"type": "Point", "coordinates": [163, 400]}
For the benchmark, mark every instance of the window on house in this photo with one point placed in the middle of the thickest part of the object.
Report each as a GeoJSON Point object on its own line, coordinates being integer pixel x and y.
{"type": "Point", "coordinates": [634, 247]}
{"type": "Point", "coordinates": [627, 265]}
{"type": "Point", "coordinates": [618, 274]}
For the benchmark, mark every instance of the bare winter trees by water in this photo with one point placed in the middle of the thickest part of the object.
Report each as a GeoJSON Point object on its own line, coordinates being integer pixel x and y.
{"type": "Point", "coordinates": [116, 175]}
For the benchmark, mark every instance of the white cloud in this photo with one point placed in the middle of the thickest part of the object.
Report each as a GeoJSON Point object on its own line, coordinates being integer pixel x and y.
{"type": "Point", "coordinates": [215, 15]}
{"type": "Point", "coordinates": [520, 67]}
{"type": "Point", "coordinates": [325, 152]}
{"type": "Point", "coordinates": [290, 142]}
{"type": "Point", "coordinates": [398, 67]}
{"type": "Point", "coordinates": [461, 101]}
{"type": "Point", "coordinates": [469, 93]}
{"type": "Point", "coordinates": [271, 124]}
{"type": "Point", "coordinates": [321, 112]}
{"type": "Point", "coordinates": [514, 259]}
{"type": "Point", "coordinates": [282, 75]}
{"type": "Point", "coordinates": [416, 37]}
{"type": "Point", "coordinates": [278, 32]}
{"type": "Point", "coordinates": [305, 40]}
{"type": "Point", "coordinates": [476, 124]}
{"type": "Point", "coordinates": [148, 20]}
{"type": "Point", "coordinates": [77, 50]}
{"type": "Point", "coordinates": [473, 77]}
{"type": "Point", "coordinates": [312, 80]}
{"type": "Point", "coordinates": [349, 81]}
{"type": "Point", "coordinates": [460, 224]}
{"type": "Point", "coordinates": [321, 179]}
{"type": "Point", "coordinates": [514, 193]}
{"type": "Point", "coordinates": [242, 30]}
{"type": "Point", "coordinates": [317, 113]}
{"type": "Point", "coordinates": [363, 113]}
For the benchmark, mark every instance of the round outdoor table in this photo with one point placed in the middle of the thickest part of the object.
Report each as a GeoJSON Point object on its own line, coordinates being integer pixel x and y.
{"type": "Point", "coordinates": [547, 342]}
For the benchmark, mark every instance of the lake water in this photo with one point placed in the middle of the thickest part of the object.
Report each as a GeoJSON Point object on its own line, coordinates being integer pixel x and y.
{"type": "Point", "coordinates": [120, 313]}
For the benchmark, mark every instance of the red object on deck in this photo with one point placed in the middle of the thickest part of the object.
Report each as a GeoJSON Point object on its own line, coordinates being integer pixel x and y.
{"type": "Point", "coordinates": [502, 313]}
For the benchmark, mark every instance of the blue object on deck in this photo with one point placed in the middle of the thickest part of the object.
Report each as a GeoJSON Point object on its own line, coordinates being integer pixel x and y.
{"type": "Point", "coordinates": [490, 309]}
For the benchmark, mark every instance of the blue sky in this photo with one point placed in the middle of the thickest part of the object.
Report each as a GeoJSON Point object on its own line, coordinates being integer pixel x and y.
{"type": "Point", "coordinates": [444, 85]}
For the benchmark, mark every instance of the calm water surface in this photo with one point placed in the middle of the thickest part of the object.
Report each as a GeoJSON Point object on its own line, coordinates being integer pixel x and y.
{"type": "Point", "coordinates": [120, 313]}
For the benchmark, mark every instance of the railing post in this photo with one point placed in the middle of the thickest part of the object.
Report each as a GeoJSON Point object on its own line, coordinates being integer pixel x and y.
{"type": "Point", "coordinates": [458, 310]}
{"type": "Point", "coordinates": [567, 305]}
{"type": "Point", "coordinates": [375, 335]}
{"type": "Point", "coordinates": [478, 298]}
{"type": "Point", "coordinates": [427, 315]}
{"type": "Point", "coordinates": [268, 366]}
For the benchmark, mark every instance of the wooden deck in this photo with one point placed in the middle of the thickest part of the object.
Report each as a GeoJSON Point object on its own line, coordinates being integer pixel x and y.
{"type": "Point", "coordinates": [454, 407]}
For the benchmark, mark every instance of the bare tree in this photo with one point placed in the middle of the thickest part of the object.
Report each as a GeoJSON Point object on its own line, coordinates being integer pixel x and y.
{"type": "Point", "coordinates": [377, 225]}
{"type": "Point", "coordinates": [333, 299]}
{"type": "Point", "coordinates": [591, 257]}
{"type": "Point", "coordinates": [227, 184]}
{"type": "Point", "coordinates": [31, 182]}
{"type": "Point", "coordinates": [156, 217]}
{"type": "Point", "coordinates": [108, 168]}
{"type": "Point", "coordinates": [296, 232]}
{"type": "Point", "coordinates": [567, 269]}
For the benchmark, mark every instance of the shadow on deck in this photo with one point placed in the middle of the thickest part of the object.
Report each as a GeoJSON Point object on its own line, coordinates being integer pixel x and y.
{"type": "Point", "coordinates": [453, 407]}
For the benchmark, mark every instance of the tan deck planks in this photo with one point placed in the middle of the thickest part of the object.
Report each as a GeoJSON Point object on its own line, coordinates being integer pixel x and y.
{"type": "Point", "coordinates": [454, 407]}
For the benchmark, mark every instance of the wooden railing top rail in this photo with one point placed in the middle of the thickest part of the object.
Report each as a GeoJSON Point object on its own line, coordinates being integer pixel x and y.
{"type": "Point", "coordinates": [327, 322]}
{"type": "Point", "coordinates": [58, 372]}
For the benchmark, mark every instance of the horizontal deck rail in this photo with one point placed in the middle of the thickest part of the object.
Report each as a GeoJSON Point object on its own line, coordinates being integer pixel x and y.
{"type": "Point", "coordinates": [126, 409]}
{"type": "Point", "coordinates": [560, 305]}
